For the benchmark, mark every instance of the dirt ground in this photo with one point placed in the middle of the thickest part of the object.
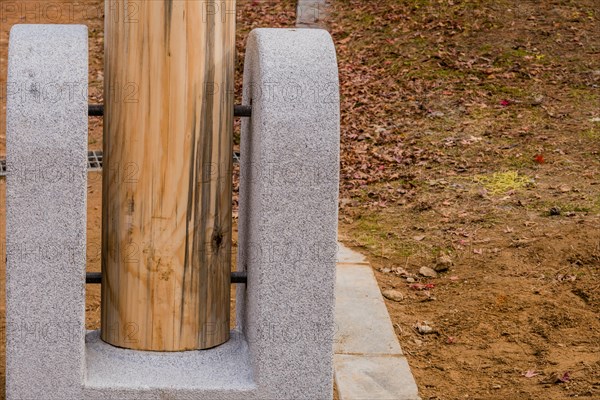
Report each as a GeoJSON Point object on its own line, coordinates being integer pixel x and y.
{"type": "Point", "coordinates": [470, 140]}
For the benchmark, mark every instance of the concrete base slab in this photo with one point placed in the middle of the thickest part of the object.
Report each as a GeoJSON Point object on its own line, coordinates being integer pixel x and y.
{"type": "Point", "coordinates": [368, 361]}
{"type": "Point", "coordinates": [220, 368]}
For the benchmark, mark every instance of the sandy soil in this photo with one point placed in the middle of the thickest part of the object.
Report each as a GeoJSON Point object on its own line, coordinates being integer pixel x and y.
{"type": "Point", "coordinates": [471, 132]}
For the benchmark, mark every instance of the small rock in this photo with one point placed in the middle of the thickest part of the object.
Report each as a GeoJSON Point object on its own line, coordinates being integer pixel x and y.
{"type": "Point", "coordinates": [426, 296]}
{"type": "Point", "coordinates": [385, 270]}
{"type": "Point", "coordinates": [443, 263]}
{"type": "Point", "coordinates": [555, 211]}
{"type": "Point", "coordinates": [410, 280]}
{"type": "Point", "coordinates": [393, 295]}
{"type": "Point", "coordinates": [424, 329]}
{"type": "Point", "coordinates": [428, 272]}
{"type": "Point", "coordinates": [564, 188]}
{"type": "Point", "coordinates": [537, 100]}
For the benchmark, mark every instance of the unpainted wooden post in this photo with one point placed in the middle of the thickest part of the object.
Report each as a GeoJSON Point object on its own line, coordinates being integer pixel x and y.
{"type": "Point", "coordinates": [166, 217]}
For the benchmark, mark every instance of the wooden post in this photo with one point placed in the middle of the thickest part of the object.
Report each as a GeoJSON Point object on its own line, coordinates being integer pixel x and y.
{"type": "Point", "coordinates": [166, 214]}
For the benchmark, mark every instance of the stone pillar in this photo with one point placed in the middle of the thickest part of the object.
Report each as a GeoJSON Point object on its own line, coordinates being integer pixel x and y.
{"type": "Point", "coordinates": [288, 209]}
{"type": "Point", "coordinates": [46, 189]}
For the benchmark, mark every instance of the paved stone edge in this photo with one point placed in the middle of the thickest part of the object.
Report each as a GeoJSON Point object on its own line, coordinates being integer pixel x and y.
{"type": "Point", "coordinates": [346, 381]}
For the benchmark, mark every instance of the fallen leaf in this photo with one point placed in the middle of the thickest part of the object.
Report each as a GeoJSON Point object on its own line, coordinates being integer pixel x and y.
{"type": "Point", "coordinates": [566, 278]}
{"type": "Point", "coordinates": [530, 373]}
{"type": "Point", "coordinates": [563, 378]}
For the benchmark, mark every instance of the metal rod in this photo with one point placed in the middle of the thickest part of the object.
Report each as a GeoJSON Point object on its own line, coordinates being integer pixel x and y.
{"type": "Point", "coordinates": [93, 277]}
{"type": "Point", "coordinates": [97, 110]}
{"type": "Point", "coordinates": [242, 111]}
{"type": "Point", "coordinates": [239, 277]}
{"type": "Point", "coordinates": [96, 277]}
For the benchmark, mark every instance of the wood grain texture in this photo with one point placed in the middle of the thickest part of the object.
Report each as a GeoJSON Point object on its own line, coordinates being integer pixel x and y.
{"type": "Point", "coordinates": [166, 217]}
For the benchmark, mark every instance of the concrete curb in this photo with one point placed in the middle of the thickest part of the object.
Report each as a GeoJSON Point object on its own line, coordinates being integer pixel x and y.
{"type": "Point", "coordinates": [368, 360]}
